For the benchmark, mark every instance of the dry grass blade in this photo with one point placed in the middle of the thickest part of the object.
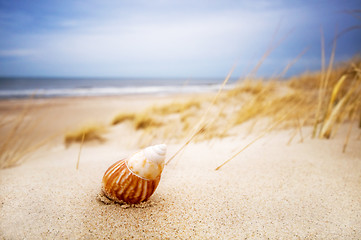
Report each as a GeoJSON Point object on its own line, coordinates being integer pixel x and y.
{"type": "Point", "coordinates": [299, 125]}
{"type": "Point", "coordinates": [265, 55]}
{"type": "Point", "coordinates": [327, 77]}
{"type": "Point", "coordinates": [355, 13]}
{"type": "Point", "coordinates": [352, 114]}
{"type": "Point", "coordinates": [334, 94]}
{"type": "Point", "coordinates": [32, 148]}
{"type": "Point", "coordinates": [244, 148]}
{"type": "Point", "coordinates": [11, 137]}
{"type": "Point", "coordinates": [81, 145]}
{"type": "Point", "coordinates": [330, 121]}
{"type": "Point", "coordinates": [200, 126]}
{"type": "Point", "coordinates": [274, 125]}
{"type": "Point", "coordinates": [290, 64]}
{"type": "Point", "coordinates": [19, 139]}
{"type": "Point", "coordinates": [319, 102]}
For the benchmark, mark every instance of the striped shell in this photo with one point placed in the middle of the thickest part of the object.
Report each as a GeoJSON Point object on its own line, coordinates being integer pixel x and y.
{"type": "Point", "coordinates": [120, 184]}
{"type": "Point", "coordinates": [127, 180]}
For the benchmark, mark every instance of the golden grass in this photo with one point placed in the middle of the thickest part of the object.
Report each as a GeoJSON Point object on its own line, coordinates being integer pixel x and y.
{"type": "Point", "coordinates": [311, 81]}
{"type": "Point", "coordinates": [291, 104]}
{"type": "Point", "coordinates": [17, 142]}
{"type": "Point", "coordinates": [338, 109]}
{"type": "Point", "coordinates": [86, 133]}
{"type": "Point", "coordinates": [145, 121]}
{"type": "Point", "coordinates": [253, 87]}
{"type": "Point", "coordinates": [121, 117]}
{"type": "Point", "coordinates": [175, 107]}
{"type": "Point", "coordinates": [168, 121]}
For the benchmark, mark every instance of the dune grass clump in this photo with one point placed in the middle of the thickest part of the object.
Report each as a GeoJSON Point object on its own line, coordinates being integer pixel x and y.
{"type": "Point", "coordinates": [258, 102]}
{"type": "Point", "coordinates": [17, 141]}
{"type": "Point", "coordinates": [144, 121]}
{"type": "Point", "coordinates": [337, 97]}
{"type": "Point", "coordinates": [163, 118]}
{"type": "Point", "coordinates": [252, 87]}
{"type": "Point", "coordinates": [290, 107]}
{"type": "Point", "coordinates": [121, 117]}
{"type": "Point", "coordinates": [291, 103]}
{"type": "Point", "coordinates": [176, 107]}
{"type": "Point", "coordinates": [86, 133]}
{"type": "Point", "coordinates": [312, 80]}
{"type": "Point", "coordinates": [341, 106]}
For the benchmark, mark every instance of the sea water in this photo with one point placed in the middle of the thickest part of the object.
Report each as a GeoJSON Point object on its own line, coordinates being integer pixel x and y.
{"type": "Point", "coordinates": [72, 87]}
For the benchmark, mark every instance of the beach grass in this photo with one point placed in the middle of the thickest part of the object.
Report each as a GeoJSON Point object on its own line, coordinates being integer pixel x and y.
{"type": "Point", "coordinates": [304, 100]}
{"type": "Point", "coordinates": [295, 100]}
{"type": "Point", "coordinates": [175, 107]}
{"type": "Point", "coordinates": [146, 121]}
{"type": "Point", "coordinates": [86, 133]}
{"type": "Point", "coordinates": [15, 143]}
{"type": "Point", "coordinates": [121, 117]}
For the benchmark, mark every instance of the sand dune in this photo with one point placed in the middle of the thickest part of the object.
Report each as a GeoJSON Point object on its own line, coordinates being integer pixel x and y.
{"type": "Point", "coordinates": [308, 190]}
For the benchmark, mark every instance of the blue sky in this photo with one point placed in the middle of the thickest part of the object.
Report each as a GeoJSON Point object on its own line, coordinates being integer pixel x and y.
{"type": "Point", "coordinates": [185, 38]}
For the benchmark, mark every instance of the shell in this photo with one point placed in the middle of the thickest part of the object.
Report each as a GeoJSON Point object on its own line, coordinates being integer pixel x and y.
{"type": "Point", "coordinates": [134, 180]}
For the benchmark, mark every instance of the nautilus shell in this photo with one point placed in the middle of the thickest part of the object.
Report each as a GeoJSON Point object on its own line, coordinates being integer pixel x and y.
{"type": "Point", "coordinates": [134, 180]}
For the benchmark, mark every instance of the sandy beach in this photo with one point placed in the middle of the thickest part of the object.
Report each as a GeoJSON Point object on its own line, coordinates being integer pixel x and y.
{"type": "Point", "coordinates": [308, 190]}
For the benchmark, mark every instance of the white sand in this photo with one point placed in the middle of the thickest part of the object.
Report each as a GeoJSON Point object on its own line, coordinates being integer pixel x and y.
{"type": "Point", "coordinates": [308, 190]}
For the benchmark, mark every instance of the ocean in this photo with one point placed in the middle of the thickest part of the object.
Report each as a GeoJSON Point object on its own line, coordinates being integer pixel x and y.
{"type": "Point", "coordinates": [73, 87]}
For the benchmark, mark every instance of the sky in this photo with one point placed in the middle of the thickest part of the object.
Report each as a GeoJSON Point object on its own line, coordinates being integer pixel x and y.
{"type": "Point", "coordinates": [182, 38]}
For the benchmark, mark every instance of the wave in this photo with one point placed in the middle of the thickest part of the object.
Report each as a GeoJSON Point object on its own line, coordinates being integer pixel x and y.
{"type": "Point", "coordinates": [106, 91]}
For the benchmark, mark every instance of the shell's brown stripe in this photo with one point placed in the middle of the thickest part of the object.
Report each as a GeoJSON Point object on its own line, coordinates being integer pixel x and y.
{"type": "Point", "coordinates": [105, 181]}
{"type": "Point", "coordinates": [126, 181]}
{"type": "Point", "coordinates": [138, 189]}
{"type": "Point", "coordinates": [128, 194]}
{"type": "Point", "coordinates": [155, 185]}
{"type": "Point", "coordinates": [112, 174]}
{"type": "Point", "coordinates": [110, 177]}
{"type": "Point", "coordinates": [150, 189]}
{"type": "Point", "coordinates": [144, 191]}
{"type": "Point", "coordinates": [114, 177]}
{"type": "Point", "coordinates": [113, 167]}
{"type": "Point", "coordinates": [121, 174]}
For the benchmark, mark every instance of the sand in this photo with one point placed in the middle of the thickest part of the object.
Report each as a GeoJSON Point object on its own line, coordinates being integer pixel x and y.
{"type": "Point", "coordinates": [308, 190]}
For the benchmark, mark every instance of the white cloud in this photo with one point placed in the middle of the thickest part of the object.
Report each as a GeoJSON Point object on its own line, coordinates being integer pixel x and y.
{"type": "Point", "coordinates": [165, 38]}
{"type": "Point", "coordinates": [157, 37]}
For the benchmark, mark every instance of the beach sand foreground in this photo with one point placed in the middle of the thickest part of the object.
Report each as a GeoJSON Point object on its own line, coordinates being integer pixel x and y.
{"type": "Point", "coordinates": [308, 190]}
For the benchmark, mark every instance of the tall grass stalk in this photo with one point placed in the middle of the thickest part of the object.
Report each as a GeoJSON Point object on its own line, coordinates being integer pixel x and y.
{"type": "Point", "coordinates": [334, 94]}
{"type": "Point", "coordinates": [299, 126]}
{"type": "Point", "coordinates": [81, 146]}
{"type": "Point", "coordinates": [352, 115]}
{"type": "Point", "coordinates": [326, 80]}
{"type": "Point", "coordinates": [249, 144]}
{"type": "Point", "coordinates": [291, 63]}
{"type": "Point", "coordinates": [269, 50]}
{"type": "Point", "coordinates": [320, 90]}
{"type": "Point", "coordinates": [274, 125]}
{"type": "Point", "coordinates": [201, 124]}
{"type": "Point", "coordinates": [336, 111]}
